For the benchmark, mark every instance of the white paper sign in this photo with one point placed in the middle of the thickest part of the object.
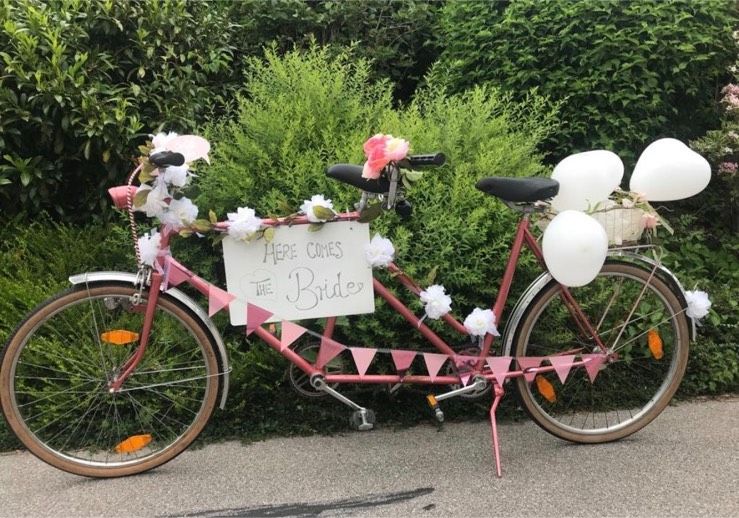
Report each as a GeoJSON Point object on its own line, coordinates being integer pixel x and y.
{"type": "Point", "coordinates": [300, 274]}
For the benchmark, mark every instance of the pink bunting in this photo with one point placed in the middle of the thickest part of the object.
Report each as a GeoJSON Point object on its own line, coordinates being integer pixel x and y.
{"type": "Point", "coordinates": [362, 358]}
{"type": "Point", "coordinates": [218, 299]}
{"type": "Point", "coordinates": [465, 366]}
{"type": "Point", "coordinates": [593, 363]}
{"type": "Point", "coordinates": [290, 333]}
{"type": "Point", "coordinates": [329, 350]}
{"type": "Point", "coordinates": [402, 360]}
{"type": "Point", "coordinates": [529, 362]}
{"type": "Point", "coordinates": [562, 365]}
{"type": "Point", "coordinates": [434, 361]}
{"type": "Point", "coordinates": [500, 365]}
{"type": "Point", "coordinates": [255, 317]}
{"type": "Point", "coordinates": [176, 273]}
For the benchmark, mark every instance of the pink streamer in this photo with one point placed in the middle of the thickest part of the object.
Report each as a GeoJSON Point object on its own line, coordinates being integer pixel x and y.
{"type": "Point", "coordinates": [290, 333]}
{"type": "Point", "coordinates": [255, 317]}
{"type": "Point", "coordinates": [562, 365]}
{"type": "Point", "coordinates": [500, 365]}
{"type": "Point", "coordinates": [362, 358]}
{"type": "Point", "coordinates": [465, 365]}
{"type": "Point", "coordinates": [402, 360]}
{"type": "Point", "coordinates": [529, 362]}
{"type": "Point", "coordinates": [593, 363]}
{"type": "Point", "coordinates": [218, 299]}
{"type": "Point", "coordinates": [329, 350]}
{"type": "Point", "coordinates": [434, 361]}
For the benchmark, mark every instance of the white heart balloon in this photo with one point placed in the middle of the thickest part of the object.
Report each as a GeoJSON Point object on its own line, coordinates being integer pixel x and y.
{"type": "Point", "coordinates": [575, 247]}
{"type": "Point", "coordinates": [586, 179]}
{"type": "Point", "coordinates": [669, 170]}
{"type": "Point", "coordinates": [191, 147]}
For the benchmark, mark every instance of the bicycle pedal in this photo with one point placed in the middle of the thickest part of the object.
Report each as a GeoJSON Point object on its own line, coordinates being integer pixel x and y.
{"type": "Point", "coordinates": [434, 404]}
{"type": "Point", "coordinates": [363, 420]}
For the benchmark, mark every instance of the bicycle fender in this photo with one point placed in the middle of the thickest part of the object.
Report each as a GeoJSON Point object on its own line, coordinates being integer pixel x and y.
{"type": "Point", "coordinates": [188, 302]}
{"type": "Point", "coordinates": [519, 309]}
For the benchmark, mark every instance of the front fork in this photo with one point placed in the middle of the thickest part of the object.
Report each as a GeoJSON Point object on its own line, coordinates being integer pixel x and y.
{"type": "Point", "coordinates": [130, 365]}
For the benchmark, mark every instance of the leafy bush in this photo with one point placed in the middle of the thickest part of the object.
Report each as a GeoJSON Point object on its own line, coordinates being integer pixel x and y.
{"type": "Point", "coordinates": [397, 35]}
{"type": "Point", "coordinates": [302, 112]}
{"type": "Point", "coordinates": [80, 80]}
{"type": "Point", "coordinates": [626, 72]}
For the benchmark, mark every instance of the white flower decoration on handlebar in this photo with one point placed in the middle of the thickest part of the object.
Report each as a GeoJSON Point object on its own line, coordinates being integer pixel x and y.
{"type": "Point", "coordinates": [243, 224]}
{"type": "Point", "coordinates": [176, 175]}
{"type": "Point", "coordinates": [698, 304]}
{"type": "Point", "coordinates": [161, 140]}
{"type": "Point", "coordinates": [437, 302]}
{"type": "Point", "coordinates": [481, 322]}
{"type": "Point", "coordinates": [379, 252]}
{"type": "Point", "coordinates": [380, 150]}
{"type": "Point", "coordinates": [149, 245]}
{"type": "Point", "coordinates": [156, 200]}
{"type": "Point", "coordinates": [318, 209]}
{"type": "Point", "coordinates": [181, 213]}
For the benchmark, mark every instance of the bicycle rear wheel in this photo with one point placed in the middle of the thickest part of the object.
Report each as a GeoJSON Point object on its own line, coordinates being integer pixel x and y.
{"type": "Point", "coordinates": [629, 392]}
{"type": "Point", "coordinates": [55, 370]}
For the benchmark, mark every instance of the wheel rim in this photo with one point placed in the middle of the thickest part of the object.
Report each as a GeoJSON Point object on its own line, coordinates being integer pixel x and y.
{"type": "Point", "coordinates": [59, 386]}
{"type": "Point", "coordinates": [627, 389]}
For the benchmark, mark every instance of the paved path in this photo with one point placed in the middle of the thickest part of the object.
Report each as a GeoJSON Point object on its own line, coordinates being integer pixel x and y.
{"type": "Point", "coordinates": [686, 463]}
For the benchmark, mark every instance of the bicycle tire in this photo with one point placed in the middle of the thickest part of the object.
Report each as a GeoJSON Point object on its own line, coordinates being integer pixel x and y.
{"type": "Point", "coordinates": [628, 393]}
{"type": "Point", "coordinates": [57, 359]}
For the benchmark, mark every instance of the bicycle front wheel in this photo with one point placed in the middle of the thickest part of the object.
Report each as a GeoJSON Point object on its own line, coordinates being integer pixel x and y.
{"type": "Point", "coordinates": [640, 319]}
{"type": "Point", "coordinates": [55, 373]}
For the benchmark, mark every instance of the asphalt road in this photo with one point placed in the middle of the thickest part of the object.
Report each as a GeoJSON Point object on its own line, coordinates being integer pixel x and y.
{"type": "Point", "coordinates": [686, 463]}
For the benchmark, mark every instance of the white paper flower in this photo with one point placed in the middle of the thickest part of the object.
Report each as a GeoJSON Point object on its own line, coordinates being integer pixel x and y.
{"type": "Point", "coordinates": [437, 303]}
{"type": "Point", "coordinates": [180, 213]}
{"type": "Point", "coordinates": [317, 200]}
{"type": "Point", "coordinates": [243, 223]}
{"type": "Point", "coordinates": [149, 247]}
{"type": "Point", "coordinates": [175, 175]}
{"type": "Point", "coordinates": [698, 304]}
{"type": "Point", "coordinates": [161, 140]}
{"type": "Point", "coordinates": [379, 252]}
{"type": "Point", "coordinates": [480, 322]}
{"type": "Point", "coordinates": [156, 203]}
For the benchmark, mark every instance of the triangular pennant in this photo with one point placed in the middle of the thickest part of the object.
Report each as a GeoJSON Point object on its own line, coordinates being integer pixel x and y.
{"type": "Point", "coordinates": [290, 333]}
{"type": "Point", "coordinates": [593, 363]}
{"type": "Point", "coordinates": [562, 365]}
{"type": "Point", "coordinates": [402, 360]}
{"type": "Point", "coordinates": [329, 350]}
{"type": "Point", "coordinates": [176, 274]}
{"type": "Point", "coordinates": [465, 365]}
{"type": "Point", "coordinates": [255, 317]}
{"type": "Point", "coordinates": [218, 299]}
{"type": "Point", "coordinates": [362, 358]}
{"type": "Point", "coordinates": [529, 362]}
{"type": "Point", "coordinates": [434, 361]}
{"type": "Point", "coordinates": [500, 365]}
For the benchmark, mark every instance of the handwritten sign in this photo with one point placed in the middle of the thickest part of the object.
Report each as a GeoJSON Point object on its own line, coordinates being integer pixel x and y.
{"type": "Point", "coordinates": [300, 274]}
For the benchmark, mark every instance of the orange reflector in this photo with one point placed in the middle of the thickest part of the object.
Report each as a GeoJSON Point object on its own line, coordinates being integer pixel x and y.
{"type": "Point", "coordinates": [655, 344]}
{"type": "Point", "coordinates": [545, 388]}
{"type": "Point", "coordinates": [133, 443]}
{"type": "Point", "coordinates": [119, 337]}
{"type": "Point", "coordinates": [431, 400]}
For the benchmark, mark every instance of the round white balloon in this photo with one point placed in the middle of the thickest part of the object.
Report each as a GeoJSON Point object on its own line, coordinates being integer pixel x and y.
{"type": "Point", "coordinates": [575, 247]}
{"type": "Point", "coordinates": [586, 179]}
{"type": "Point", "coordinates": [669, 170]}
{"type": "Point", "coordinates": [192, 147]}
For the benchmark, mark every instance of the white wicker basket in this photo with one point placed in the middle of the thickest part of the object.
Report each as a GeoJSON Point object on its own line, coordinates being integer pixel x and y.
{"type": "Point", "coordinates": [622, 225]}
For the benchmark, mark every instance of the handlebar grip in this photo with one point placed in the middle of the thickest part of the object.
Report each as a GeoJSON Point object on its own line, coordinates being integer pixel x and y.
{"type": "Point", "coordinates": [434, 159]}
{"type": "Point", "coordinates": [167, 158]}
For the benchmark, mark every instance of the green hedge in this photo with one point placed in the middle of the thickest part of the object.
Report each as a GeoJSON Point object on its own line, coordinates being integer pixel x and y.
{"type": "Point", "coordinates": [627, 72]}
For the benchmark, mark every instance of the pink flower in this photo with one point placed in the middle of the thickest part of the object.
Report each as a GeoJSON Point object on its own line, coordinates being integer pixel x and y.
{"type": "Point", "coordinates": [381, 150]}
{"type": "Point", "coordinates": [729, 168]}
{"type": "Point", "coordinates": [730, 89]}
{"type": "Point", "coordinates": [396, 148]}
{"type": "Point", "coordinates": [649, 221]}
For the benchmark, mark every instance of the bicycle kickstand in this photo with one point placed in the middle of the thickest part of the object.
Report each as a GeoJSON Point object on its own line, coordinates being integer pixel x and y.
{"type": "Point", "coordinates": [498, 394]}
